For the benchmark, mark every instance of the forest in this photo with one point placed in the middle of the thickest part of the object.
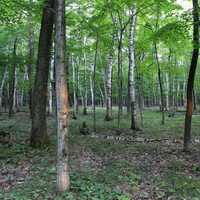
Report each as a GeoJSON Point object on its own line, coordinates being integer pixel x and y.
{"type": "Point", "coordinates": [99, 100]}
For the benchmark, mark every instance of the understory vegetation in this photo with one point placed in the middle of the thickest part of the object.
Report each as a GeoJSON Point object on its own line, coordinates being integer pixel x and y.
{"type": "Point", "coordinates": [148, 164]}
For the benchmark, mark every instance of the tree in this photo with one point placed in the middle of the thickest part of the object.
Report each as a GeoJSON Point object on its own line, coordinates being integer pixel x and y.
{"type": "Point", "coordinates": [131, 69]}
{"type": "Point", "coordinates": [31, 57]}
{"type": "Point", "coordinates": [39, 135]}
{"type": "Point", "coordinates": [62, 113]}
{"type": "Point", "coordinates": [12, 80]}
{"type": "Point", "coordinates": [191, 76]}
{"type": "Point", "coordinates": [94, 81]}
{"type": "Point", "coordinates": [108, 81]}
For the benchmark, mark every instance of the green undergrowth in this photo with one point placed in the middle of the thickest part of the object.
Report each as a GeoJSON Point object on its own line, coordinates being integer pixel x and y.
{"type": "Point", "coordinates": [101, 169]}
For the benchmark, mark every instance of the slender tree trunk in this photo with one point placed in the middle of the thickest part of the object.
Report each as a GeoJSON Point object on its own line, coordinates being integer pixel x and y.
{"type": "Point", "coordinates": [77, 86]}
{"type": "Point", "coordinates": [102, 97]}
{"type": "Point", "coordinates": [194, 100]}
{"type": "Point", "coordinates": [141, 99]}
{"type": "Point", "coordinates": [94, 83]}
{"type": "Point", "coordinates": [2, 86]}
{"type": "Point", "coordinates": [131, 70]}
{"type": "Point", "coordinates": [85, 85]}
{"type": "Point", "coordinates": [160, 85]}
{"type": "Point", "coordinates": [177, 95]}
{"type": "Point", "coordinates": [74, 89]}
{"type": "Point", "coordinates": [39, 135]}
{"type": "Point", "coordinates": [16, 94]}
{"type": "Point", "coordinates": [63, 182]}
{"type": "Point", "coordinates": [31, 57]}
{"type": "Point", "coordinates": [51, 87]}
{"type": "Point", "coordinates": [167, 91]}
{"type": "Point", "coordinates": [12, 81]}
{"type": "Point", "coordinates": [191, 77]}
{"type": "Point", "coordinates": [108, 82]}
{"type": "Point", "coordinates": [120, 83]}
{"type": "Point", "coordinates": [91, 91]}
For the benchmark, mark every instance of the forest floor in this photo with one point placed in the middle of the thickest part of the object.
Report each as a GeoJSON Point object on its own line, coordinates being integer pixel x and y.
{"type": "Point", "coordinates": [109, 165]}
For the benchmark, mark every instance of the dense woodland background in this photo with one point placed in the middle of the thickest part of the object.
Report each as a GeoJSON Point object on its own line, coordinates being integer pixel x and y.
{"type": "Point", "coordinates": [118, 81]}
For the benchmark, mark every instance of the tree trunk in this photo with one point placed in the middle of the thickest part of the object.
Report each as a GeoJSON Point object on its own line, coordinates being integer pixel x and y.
{"type": "Point", "coordinates": [91, 91]}
{"type": "Point", "coordinates": [51, 87]}
{"type": "Point", "coordinates": [39, 135]}
{"type": "Point", "coordinates": [2, 86]}
{"type": "Point", "coordinates": [167, 91]}
{"type": "Point", "coordinates": [12, 81]}
{"type": "Point", "coordinates": [131, 70]}
{"type": "Point", "coordinates": [16, 94]}
{"type": "Point", "coordinates": [108, 82]}
{"type": "Point", "coordinates": [74, 89]}
{"type": "Point", "coordinates": [194, 100]}
{"type": "Point", "coordinates": [120, 83]}
{"type": "Point", "coordinates": [30, 57]}
{"type": "Point", "coordinates": [77, 86]}
{"type": "Point", "coordinates": [63, 182]}
{"type": "Point", "coordinates": [94, 82]}
{"type": "Point", "coordinates": [160, 86]}
{"type": "Point", "coordinates": [85, 85]}
{"type": "Point", "coordinates": [191, 77]}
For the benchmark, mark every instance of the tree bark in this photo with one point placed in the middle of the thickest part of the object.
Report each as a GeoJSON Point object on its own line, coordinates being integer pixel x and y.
{"type": "Point", "coordinates": [30, 57]}
{"type": "Point", "coordinates": [63, 181]}
{"type": "Point", "coordinates": [77, 85]}
{"type": "Point", "coordinates": [74, 88]}
{"type": "Point", "coordinates": [51, 87]}
{"type": "Point", "coordinates": [167, 91]}
{"type": "Point", "coordinates": [120, 83]}
{"type": "Point", "coordinates": [39, 135]}
{"type": "Point", "coordinates": [191, 77]}
{"type": "Point", "coordinates": [108, 83]}
{"type": "Point", "coordinates": [131, 70]}
{"type": "Point", "coordinates": [94, 82]}
{"type": "Point", "coordinates": [160, 85]}
{"type": "Point", "coordinates": [12, 81]}
{"type": "Point", "coordinates": [85, 85]}
{"type": "Point", "coordinates": [2, 86]}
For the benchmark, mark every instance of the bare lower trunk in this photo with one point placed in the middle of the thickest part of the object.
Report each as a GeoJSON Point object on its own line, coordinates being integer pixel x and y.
{"type": "Point", "coordinates": [191, 77]}
{"type": "Point", "coordinates": [39, 135]}
{"type": "Point", "coordinates": [63, 182]}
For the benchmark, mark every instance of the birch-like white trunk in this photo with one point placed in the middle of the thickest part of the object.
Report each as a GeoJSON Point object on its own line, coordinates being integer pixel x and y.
{"type": "Point", "coordinates": [108, 83]}
{"type": "Point", "coordinates": [131, 70]}
{"type": "Point", "coordinates": [85, 84]}
{"type": "Point", "coordinates": [50, 89]}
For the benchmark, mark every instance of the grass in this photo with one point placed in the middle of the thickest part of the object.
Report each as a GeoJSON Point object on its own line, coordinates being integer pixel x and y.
{"type": "Point", "coordinates": [102, 169]}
